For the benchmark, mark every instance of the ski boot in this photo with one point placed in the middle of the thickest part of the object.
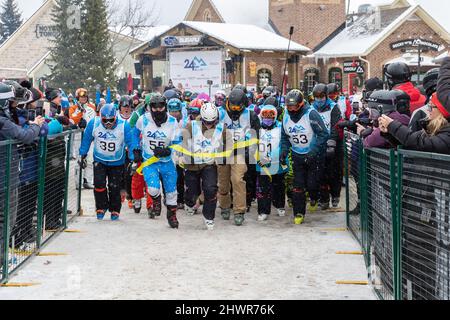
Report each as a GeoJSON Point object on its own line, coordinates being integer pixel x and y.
{"type": "Point", "coordinates": [263, 217]}
{"type": "Point", "coordinates": [100, 214]}
{"type": "Point", "coordinates": [323, 206]}
{"type": "Point", "coordinates": [312, 207]}
{"type": "Point", "coordinates": [155, 211]}
{"type": "Point", "coordinates": [130, 204]}
{"type": "Point", "coordinates": [226, 214]}
{"type": "Point", "coordinates": [335, 202]}
{"type": "Point", "coordinates": [281, 212]}
{"type": "Point", "coordinates": [239, 219]}
{"type": "Point", "coordinates": [115, 216]}
{"type": "Point", "coordinates": [190, 211]}
{"type": "Point", "coordinates": [137, 204]}
{"type": "Point", "coordinates": [209, 225]}
{"type": "Point", "coordinates": [299, 219]}
{"type": "Point", "coordinates": [172, 217]}
{"type": "Point", "coordinates": [180, 206]}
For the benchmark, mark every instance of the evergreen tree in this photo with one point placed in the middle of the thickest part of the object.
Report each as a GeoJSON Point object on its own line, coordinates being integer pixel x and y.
{"type": "Point", "coordinates": [99, 61]}
{"type": "Point", "coordinates": [66, 61]}
{"type": "Point", "coordinates": [10, 19]}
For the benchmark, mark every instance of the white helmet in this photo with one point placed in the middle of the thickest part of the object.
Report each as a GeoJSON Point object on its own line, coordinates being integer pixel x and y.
{"type": "Point", "coordinates": [209, 113]}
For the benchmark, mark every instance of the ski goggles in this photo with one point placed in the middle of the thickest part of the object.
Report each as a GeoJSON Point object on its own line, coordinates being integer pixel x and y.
{"type": "Point", "coordinates": [210, 123]}
{"type": "Point", "coordinates": [295, 107]}
{"type": "Point", "coordinates": [108, 120]}
{"type": "Point", "coordinates": [236, 108]}
{"type": "Point", "coordinates": [268, 114]}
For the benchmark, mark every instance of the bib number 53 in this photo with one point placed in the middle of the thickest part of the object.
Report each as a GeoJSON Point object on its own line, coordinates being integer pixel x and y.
{"type": "Point", "coordinates": [302, 139]}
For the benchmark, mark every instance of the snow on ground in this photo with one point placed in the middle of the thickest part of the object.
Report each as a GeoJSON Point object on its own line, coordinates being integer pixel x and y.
{"type": "Point", "coordinates": [137, 258]}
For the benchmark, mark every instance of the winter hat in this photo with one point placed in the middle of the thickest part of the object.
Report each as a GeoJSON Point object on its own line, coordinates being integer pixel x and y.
{"type": "Point", "coordinates": [36, 94]}
{"type": "Point", "coordinates": [445, 112]}
{"type": "Point", "coordinates": [26, 84]}
{"type": "Point", "coordinates": [51, 94]}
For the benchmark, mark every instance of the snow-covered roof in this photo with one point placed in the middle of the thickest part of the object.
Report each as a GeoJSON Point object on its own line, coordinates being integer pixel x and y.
{"type": "Point", "coordinates": [363, 35]}
{"type": "Point", "coordinates": [441, 57]}
{"type": "Point", "coordinates": [245, 36]}
{"type": "Point", "coordinates": [412, 60]}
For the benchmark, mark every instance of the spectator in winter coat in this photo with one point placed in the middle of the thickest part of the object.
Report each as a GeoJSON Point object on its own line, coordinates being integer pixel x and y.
{"type": "Point", "coordinates": [382, 103]}
{"type": "Point", "coordinates": [436, 137]}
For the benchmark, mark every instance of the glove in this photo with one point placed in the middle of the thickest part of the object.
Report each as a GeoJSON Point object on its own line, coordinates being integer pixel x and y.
{"type": "Point", "coordinates": [331, 148]}
{"type": "Point", "coordinates": [137, 154]}
{"type": "Point", "coordinates": [82, 162]}
{"type": "Point", "coordinates": [82, 124]}
{"type": "Point", "coordinates": [132, 168]}
{"type": "Point", "coordinates": [162, 152]}
{"type": "Point", "coordinates": [264, 162]}
{"type": "Point", "coordinates": [283, 158]}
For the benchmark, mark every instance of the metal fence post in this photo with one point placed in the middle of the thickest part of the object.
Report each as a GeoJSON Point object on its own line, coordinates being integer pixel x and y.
{"type": "Point", "coordinates": [396, 243]}
{"type": "Point", "coordinates": [5, 262]}
{"type": "Point", "coordinates": [364, 203]}
{"type": "Point", "coordinates": [66, 182]}
{"type": "Point", "coordinates": [347, 182]}
{"type": "Point", "coordinates": [80, 184]}
{"type": "Point", "coordinates": [398, 229]}
{"type": "Point", "coordinates": [41, 189]}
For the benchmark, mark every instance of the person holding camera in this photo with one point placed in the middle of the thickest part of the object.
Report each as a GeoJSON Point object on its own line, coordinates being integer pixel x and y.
{"type": "Point", "coordinates": [382, 102]}
{"type": "Point", "coordinates": [305, 133]}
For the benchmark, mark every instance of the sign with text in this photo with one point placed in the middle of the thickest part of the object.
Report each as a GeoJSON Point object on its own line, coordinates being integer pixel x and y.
{"type": "Point", "coordinates": [408, 43]}
{"type": "Point", "coordinates": [353, 67]}
{"type": "Point", "coordinates": [44, 31]}
{"type": "Point", "coordinates": [193, 69]}
{"type": "Point", "coordinates": [176, 41]}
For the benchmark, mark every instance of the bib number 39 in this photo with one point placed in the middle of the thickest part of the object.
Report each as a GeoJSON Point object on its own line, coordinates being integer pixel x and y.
{"type": "Point", "coordinates": [110, 147]}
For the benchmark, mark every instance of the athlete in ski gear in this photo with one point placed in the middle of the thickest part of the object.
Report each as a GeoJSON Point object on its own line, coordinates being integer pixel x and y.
{"type": "Point", "coordinates": [243, 125]}
{"type": "Point", "coordinates": [331, 166]}
{"type": "Point", "coordinates": [111, 136]}
{"type": "Point", "coordinates": [305, 133]}
{"type": "Point", "coordinates": [270, 172]}
{"type": "Point", "coordinates": [220, 99]}
{"type": "Point", "coordinates": [125, 111]}
{"type": "Point", "coordinates": [194, 109]}
{"type": "Point", "coordinates": [154, 133]}
{"type": "Point", "coordinates": [203, 135]}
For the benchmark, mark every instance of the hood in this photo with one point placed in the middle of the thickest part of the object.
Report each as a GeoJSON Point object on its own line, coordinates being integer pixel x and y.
{"type": "Point", "coordinates": [417, 99]}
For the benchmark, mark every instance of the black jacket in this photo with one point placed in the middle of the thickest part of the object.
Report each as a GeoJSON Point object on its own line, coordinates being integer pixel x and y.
{"type": "Point", "coordinates": [420, 140]}
{"type": "Point", "coordinates": [443, 85]}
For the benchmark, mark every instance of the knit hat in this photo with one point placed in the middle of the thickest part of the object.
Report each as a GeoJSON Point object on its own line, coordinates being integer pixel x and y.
{"type": "Point", "coordinates": [445, 112]}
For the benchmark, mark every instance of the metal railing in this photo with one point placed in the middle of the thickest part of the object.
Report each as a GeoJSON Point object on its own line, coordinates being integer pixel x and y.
{"type": "Point", "coordinates": [39, 195]}
{"type": "Point", "coordinates": [398, 208]}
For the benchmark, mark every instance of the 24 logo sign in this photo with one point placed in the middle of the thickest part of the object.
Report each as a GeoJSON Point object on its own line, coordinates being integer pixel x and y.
{"type": "Point", "coordinates": [195, 64]}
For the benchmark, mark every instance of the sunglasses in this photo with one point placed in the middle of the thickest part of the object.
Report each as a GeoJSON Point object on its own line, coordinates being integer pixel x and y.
{"type": "Point", "coordinates": [108, 120]}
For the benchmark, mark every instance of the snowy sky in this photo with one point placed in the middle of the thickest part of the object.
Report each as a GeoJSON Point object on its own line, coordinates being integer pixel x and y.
{"type": "Point", "coordinates": [173, 11]}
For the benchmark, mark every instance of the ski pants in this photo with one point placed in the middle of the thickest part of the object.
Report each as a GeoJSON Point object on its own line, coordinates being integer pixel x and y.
{"type": "Point", "coordinates": [180, 184]}
{"type": "Point", "coordinates": [250, 180]}
{"type": "Point", "coordinates": [203, 180]}
{"type": "Point", "coordinates": [235, 174]}
{"type": "Point", "coordinates": [137, 189]}
{"type": "Point", "coordinates": [270, 192]}
{"type": "Point", "coordinates": [168, 173]}
{"type": "Point", "coordinates": [127, 180]}
{"type": "Point", "coordinates": [306, 179]}
{"type": "Point", "coordinates": [332, 174]}
{"type": "Point", "coordinates": [108, 198]}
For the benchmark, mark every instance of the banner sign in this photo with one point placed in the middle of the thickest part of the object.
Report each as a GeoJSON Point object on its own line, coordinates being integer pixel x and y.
{"type": "Point", "coordinates": [175, 41]}
{"type": "Point", "coordinates": [353, 67]}
{"type": "Point", "coordinates": [193, 70]}
{"type": "Point", "coordinates": [44, 31]}
{"type": "Point", "coordinates": [415, 43]}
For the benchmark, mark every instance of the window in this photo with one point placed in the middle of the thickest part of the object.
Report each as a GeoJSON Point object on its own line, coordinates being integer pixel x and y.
{"type": "Point", "coordinates": [207, 15]}
{"type": "Point", "coordinates": [311, 79]}
{"type": "Point", "coordinates": [335, 76]}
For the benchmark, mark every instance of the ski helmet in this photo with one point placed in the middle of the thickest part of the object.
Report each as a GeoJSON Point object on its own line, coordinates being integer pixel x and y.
{"type": "Point", "coordinates": [370, 86]}
{"type": "Point", "coordinates": [172, 94]}
{"type": "Point", "coordinates": [333, 91]}
{"type": "Point", "coordinates": [126, 101]}
{"type": "Point", "coordinates": [194, 107]}
{"type": "Point", "coordinates": [209, 114]}
{"type": "Point", "coordinates": [320, 91]}
{"type": "Point", "coordinates": [403, 102]}
{"type": "Point", "coordinates": [430, 81]}
{"type": "Point", "coordinates": [22, 96]}
{"type": "Point", "coordinates": [295, 101]}
{"type": "Point", "coordinates": [268, 92]}
{"type": "Point", "coordinates": [187, 96]}
{"type": "Point", "coordinates": [268, 116]}
{"type": "Point", "coordinates": [108, 114]}
{"type": "Point", "coordinates": [174, 105]}
{"type": "Point", "coordinates": [397, 73]}
{"type": "Point", "coordinates": [382, 102]}
{"type": "Point", "coordinates": [237, 103]}
{"type": "Point", "coordinates": [219, 98]}
{"type": "Point", "coordinates": [158, 109]}
{"type": "Point", "coordinates": [81, 92]}
{"type": "Point", "coordinates": [6, 94]}
{"type": "Point", "coordinates": [241, 87]}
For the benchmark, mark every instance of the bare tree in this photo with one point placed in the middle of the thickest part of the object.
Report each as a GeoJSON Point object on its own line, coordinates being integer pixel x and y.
{"type": "Point", "coordinates": [131, 21]}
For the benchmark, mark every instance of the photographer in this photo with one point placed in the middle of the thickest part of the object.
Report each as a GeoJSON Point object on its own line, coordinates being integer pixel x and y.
{"type": "Point", "coordinates": [381, 102]}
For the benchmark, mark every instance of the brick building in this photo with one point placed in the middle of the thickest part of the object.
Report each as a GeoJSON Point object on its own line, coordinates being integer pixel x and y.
{"type": "Point", "coordinates": [344, 48]}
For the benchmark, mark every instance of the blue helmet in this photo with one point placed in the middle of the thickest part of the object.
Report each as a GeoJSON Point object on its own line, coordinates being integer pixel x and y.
{"type": "Point", "coordinates": [108, 114]}
{"type": "Point", "coordinates": [174, 105]}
